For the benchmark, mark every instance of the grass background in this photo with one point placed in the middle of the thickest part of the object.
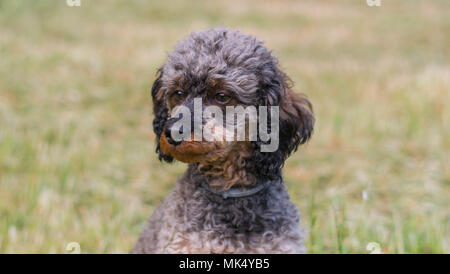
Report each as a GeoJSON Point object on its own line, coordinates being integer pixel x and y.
{"type": "Point", "coordinates": [76, 145]}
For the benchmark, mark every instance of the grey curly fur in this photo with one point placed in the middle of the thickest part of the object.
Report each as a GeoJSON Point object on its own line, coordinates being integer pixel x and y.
{"type": "Point", "coordinates": [194, 220]}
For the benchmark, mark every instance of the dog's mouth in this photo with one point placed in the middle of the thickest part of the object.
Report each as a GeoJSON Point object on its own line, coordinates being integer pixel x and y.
{"type": "Point", "coordinates": [224, 160]}
{"type": "Point", "coordinates": [189, 151]}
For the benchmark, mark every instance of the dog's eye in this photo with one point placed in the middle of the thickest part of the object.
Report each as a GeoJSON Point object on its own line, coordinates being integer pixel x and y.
{"type": "Point", "coordinates": [222, 98]}
{"type": "Point", "coordinates": [178, 95]}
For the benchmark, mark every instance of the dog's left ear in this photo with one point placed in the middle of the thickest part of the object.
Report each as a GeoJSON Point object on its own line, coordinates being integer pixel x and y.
{"type": "Point", "coordinates": [296, 120]}
{"type": "Point", "coordinates": [295, 128]}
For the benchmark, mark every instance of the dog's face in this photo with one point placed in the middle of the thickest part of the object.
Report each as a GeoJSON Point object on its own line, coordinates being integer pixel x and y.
{"type": "Point", "coordinates": [210, 91]}
{"type": "Point", "coordinates": [225, 69]}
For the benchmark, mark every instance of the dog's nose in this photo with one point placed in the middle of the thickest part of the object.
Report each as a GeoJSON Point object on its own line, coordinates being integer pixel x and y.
{"type": "Point", "coordinates": [169, 138]}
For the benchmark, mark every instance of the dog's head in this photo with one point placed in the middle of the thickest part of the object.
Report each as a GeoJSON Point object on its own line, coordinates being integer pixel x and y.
{"type": "Point", "coordinates": [227, 68]}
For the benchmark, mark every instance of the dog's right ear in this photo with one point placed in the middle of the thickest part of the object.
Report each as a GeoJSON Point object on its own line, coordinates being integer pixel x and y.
{"type": "Point", "coordinates": [161, 114]}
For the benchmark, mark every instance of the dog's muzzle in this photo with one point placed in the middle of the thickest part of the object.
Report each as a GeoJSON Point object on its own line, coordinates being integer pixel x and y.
{"type": "Point", "coordinates": [168, 132]}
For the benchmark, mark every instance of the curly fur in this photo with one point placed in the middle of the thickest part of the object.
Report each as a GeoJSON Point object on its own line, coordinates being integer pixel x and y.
{"type": "Point", "coordinates": [193, 219]}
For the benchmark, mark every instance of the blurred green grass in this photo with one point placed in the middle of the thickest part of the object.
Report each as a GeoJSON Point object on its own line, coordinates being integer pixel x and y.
{"type": "Point", "coordinates": [76, 146]}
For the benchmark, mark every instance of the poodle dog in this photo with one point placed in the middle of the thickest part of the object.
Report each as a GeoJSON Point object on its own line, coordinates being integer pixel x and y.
{"type": "Point", "coordinates": [232, 198]}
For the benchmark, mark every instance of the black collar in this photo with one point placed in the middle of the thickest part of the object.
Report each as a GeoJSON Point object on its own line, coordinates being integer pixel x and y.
{"type": "Point", "coordinates": [238, 192]}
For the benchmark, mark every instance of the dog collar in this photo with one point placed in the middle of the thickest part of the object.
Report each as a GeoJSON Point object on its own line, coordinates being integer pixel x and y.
{"type": "Point", "coordinates": [238, 192]}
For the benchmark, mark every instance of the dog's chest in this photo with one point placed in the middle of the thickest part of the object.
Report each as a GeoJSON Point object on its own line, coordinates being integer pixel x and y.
{"type": "Point", "coordinates": [176, 237]}
{"type": "Point", "coordinates": [200, 225]}
{"type": "Point", "coordinates": [200, 242]}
